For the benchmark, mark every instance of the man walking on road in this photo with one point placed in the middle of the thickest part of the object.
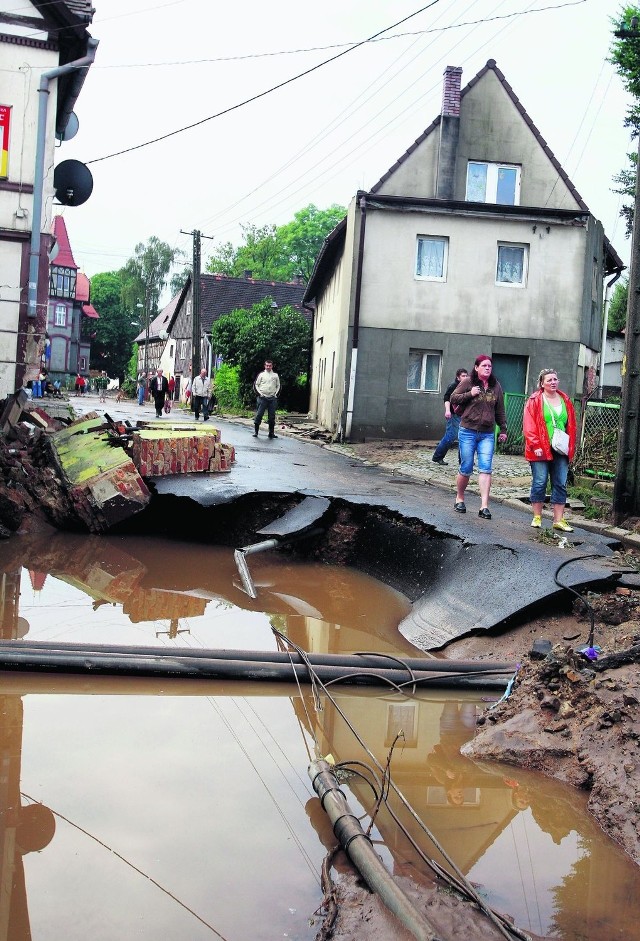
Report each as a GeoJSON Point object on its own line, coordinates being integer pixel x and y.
{"type": "Point", "coordinates": [453, 421]}
{"type": "Point", "coordinates": [159, 387]}
{"type": "Point", "coordinates": [201, 393]}
{"type": "Point", "coordinates": [267, 386]}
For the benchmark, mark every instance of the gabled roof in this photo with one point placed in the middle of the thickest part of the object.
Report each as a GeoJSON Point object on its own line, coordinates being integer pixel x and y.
{"type": "Point", "coordinates": [163, 321]}
{"type": "Point", "coordinates": [221, 295]}
{"type": "Point", "coordinates": [64, 258]}
{"type": "Point", "coordinates": [491, 66]}
{"type": "Point", "coordinates": [83, 287]}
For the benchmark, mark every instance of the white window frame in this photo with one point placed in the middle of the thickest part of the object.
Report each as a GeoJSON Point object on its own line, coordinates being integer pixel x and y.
{"type": "Point", "coordinates": [525, 265]}
{"type": "Point", "coordinates": [491, 191]}
{"type": "Point", "coordinates": [183, 349]}
{"type": "Point", "coordinates": [60, 315]}
{"type": "Point", "coordinates": [445, 258]}
{"type": "Point", "coordinates": [423, 371]}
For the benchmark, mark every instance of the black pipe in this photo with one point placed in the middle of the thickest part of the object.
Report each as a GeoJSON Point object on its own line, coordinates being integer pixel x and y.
{"type": "Point", "coordinates": [368, 659]}
{"type": "Point", "coordinates": [211, 668]}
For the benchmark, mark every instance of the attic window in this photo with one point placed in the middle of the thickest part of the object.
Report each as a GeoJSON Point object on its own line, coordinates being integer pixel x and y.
{"type": "Point", "coordinates": [493, 183]}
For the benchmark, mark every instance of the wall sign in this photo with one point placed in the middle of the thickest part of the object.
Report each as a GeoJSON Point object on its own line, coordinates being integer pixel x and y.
{"type": "Point", "coordinates": [5, 124]}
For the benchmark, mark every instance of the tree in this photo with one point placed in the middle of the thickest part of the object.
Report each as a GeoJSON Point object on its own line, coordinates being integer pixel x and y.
{"type": "Point", "coordinates": [618, 307]}
{"type": "Point", "coordinates": [278, 253]}
{"type": "Point", "coordinates": [625, 55]}
{"type": "Point", "coordinates": [245, 338]}
{"type": "Point", "coordinates": [145, 274]}
{"type": "Point", "coordinates": [179, 279]}
{"type": "Point", "coordinates": [111, 347]}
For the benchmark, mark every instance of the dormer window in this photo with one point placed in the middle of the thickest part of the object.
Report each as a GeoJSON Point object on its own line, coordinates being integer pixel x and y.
{"type": "Point", "coordinates": [62, 282]}
{"type": "Point", "coordinates": [493, 183]}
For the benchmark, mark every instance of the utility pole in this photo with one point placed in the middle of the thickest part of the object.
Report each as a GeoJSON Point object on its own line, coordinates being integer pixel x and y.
{"type": "Point", "coordinates": [196, 317]}
{"type": "Point", "coordinates": [626, 494]}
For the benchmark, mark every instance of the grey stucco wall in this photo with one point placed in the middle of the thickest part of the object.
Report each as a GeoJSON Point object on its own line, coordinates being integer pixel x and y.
{"type": "Point", "coordinates": [385, 408]}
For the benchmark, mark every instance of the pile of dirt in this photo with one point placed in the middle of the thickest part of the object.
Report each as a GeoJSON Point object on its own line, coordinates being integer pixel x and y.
{"type": "Point", "coordinates": [572, 717]}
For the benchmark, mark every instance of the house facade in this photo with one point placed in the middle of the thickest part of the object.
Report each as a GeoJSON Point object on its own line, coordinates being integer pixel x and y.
{"type": "Point", "coordinates": [36, 37]}
{"type": "Point", "coordinates": [474, 242]}
{"type": "Point", "coordinates": [70, 316]}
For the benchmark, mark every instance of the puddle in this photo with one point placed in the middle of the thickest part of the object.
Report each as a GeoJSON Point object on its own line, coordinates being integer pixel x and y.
{"type": "Point", "coordinates": [183, 809]}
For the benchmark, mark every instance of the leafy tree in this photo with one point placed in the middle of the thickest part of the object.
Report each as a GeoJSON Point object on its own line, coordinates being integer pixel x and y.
{"type": "Point", "coordinates": [278, 253]}
{"type": "Point", "coordinates": [625, 55]}
{"type": "Point", "coordinates": [179, 279]}
{"type": "Point", "coordinates": [111, 347]}
{"type": "Point", "coordinates": [145, 274]}
{"type": "Point", "coordinates": [245, 338]}
{"type": "Point", "coordinates": [618, 306]}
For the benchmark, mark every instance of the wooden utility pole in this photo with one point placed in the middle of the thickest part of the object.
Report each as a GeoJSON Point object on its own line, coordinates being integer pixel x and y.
{"type": "Point", "coordinates": [626, 494]}
{"type": "Point", "coordinates": [196, 318]}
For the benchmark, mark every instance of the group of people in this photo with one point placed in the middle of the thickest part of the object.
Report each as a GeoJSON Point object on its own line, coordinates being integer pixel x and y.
{"type": "Point", "coordinates": [474, 405]}
{"type": "Point", "coordinates": [161, 390]}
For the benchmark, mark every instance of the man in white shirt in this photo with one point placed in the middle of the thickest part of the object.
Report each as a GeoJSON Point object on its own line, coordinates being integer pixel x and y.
{"type": "Point", "coordinates": [201, 393]}
{"type": "Point", "coordinates": [267, 386]}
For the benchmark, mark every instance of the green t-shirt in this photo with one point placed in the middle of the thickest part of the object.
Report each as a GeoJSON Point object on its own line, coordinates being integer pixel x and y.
{"type": "Point", "coordinates": [550, 414]}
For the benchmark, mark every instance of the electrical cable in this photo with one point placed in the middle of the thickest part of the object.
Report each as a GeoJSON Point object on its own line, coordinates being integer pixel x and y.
{"type": "Point", "coordinates": [592, 614]}
{"type": "Point", "coordinates": [263, 94]}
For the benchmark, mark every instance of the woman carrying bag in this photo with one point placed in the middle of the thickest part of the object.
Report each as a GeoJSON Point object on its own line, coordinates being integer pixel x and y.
{"type": "Point", "coordinates": [549, 428]}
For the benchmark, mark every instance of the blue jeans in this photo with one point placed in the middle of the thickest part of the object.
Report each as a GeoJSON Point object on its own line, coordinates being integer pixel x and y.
{"type": "Point", "coordinates": [140, 395]}
{"type": "Point", "coordinates": [472, 443]}
{"type": "Point", "coordinates": [267, 405]}
{"type": "Point", "coordinates": [558, 470]}
{"type": "Point", "coordinates": [449, 438]}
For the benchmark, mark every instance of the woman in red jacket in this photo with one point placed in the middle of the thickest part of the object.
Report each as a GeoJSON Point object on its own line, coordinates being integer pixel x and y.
{"type": "Point", "coordinates": [547, 409]}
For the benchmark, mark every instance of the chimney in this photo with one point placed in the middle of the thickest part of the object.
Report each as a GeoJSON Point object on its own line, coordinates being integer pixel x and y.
{"type": "Point", "coordinates": [247, 274]}
{"type": "Point", "coordinates": [449, 133]}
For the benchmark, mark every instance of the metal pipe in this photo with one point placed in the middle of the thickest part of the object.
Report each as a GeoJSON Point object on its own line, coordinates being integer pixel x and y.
{"type": "Point", "coordinates": [358, 848]}
{"type": "Point", "coordinates": [369, 660]}
{"type": "Point", "coordinates": [38, 177]}
{"type": "Point", "coordinates": [114, 664]}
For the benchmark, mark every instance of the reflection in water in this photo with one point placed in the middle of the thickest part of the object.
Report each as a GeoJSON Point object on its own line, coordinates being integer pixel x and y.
{"type": "Point", "coordinates": [183, 809]}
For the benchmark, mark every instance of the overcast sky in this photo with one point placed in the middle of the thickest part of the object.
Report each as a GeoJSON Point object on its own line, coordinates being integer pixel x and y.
{"type": "Point", "coordinates": [163, 66]}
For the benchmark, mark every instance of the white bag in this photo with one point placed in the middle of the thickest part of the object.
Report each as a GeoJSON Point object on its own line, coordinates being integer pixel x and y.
{"type": "Point", "coordinates": [560, 442]}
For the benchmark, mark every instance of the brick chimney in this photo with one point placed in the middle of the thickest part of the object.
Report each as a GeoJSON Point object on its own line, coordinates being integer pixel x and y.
{"type": "Point", "coordinates": [449, 133]}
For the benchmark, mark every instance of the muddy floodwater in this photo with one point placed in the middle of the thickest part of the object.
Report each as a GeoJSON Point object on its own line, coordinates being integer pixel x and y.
{"type": "Point", "coordinates": [182, 809]}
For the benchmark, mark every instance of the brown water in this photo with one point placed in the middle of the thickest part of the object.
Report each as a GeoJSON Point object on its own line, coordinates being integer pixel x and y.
{"type": "Point", "coordinates": [183, 809]}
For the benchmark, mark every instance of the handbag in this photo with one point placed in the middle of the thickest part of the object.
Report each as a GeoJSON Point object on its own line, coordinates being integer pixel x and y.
{"type": "Point", "coordinates": [560, 442]}
{"type": "Point", "coordinates": [559, 438]}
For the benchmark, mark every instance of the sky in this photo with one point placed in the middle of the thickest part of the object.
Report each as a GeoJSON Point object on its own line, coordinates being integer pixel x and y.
{"type": "Point", "coordinates": [318, 139]}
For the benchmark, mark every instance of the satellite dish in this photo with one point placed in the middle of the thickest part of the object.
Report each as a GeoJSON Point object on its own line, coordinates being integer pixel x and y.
{"type": "Point", "coordinates": [72, 182]}
{"type": "Point", "coordinates": [70, 131]}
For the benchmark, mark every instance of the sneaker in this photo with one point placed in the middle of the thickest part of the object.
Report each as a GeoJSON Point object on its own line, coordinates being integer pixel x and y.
{"type": "Point", "coordinates": [459, 507]}
{"type": "Point", "coordinates": [440, 461]}
{"type": "Point", "coordinates": [484, 513]}
{"type": "Point", "coordinates": [536, 522]}
{"type": "Point", "coordinates": [563, 526]}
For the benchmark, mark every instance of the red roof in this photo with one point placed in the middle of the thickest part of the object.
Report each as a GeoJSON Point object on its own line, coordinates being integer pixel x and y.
{"type": "Point", "coordinates": [64, 258]}
{"type": "Point", "coordinates": [83, 286]}
{"type": "Point", "coordinates": [89, 311]}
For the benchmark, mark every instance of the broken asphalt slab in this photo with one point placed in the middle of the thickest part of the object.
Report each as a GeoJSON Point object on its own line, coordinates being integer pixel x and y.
{"type": "Point", "coordinates": [462, 573]}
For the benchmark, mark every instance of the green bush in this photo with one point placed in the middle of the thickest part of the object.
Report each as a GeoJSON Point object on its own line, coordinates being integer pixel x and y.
{"type": "Point", "coordinates": [129, 387]}
{"type": "Point", "coordinates": [227, 388]}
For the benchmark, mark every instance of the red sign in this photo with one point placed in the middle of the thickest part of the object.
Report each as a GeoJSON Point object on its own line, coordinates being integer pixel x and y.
{"type": "Point", "coordinates": [5, 123]}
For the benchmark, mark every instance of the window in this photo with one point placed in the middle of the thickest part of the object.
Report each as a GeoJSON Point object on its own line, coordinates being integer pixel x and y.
{"type": "Point", "coordinates": [183, 349]}
{"type": "Point", "coordinates": [431, 259]}
{"type": "Point", "coordinates": [188, 308]}
{"type": "Point", "coordinates": [82, 364]}
{"type": "Point", "coordinates": [61, 315]}
{"type": "Point", "coordinates": [62, 282]}
{"type": "Point", "coordinates": [493, 183]}
{"type": "Point", "coordinates": [423, 374]}
{"type": "Point", "coordinates": [512, 264]}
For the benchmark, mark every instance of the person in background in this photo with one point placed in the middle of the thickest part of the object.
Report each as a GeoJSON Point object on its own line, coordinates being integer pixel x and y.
{"type": "Point", "coordinates": [102, 382]}
{"type": "Point", "coordinates": [267, 387]}
{"type": "Point", "coordinates": [172, 387]}
{"type": "Point", "coordinates": [481, 398]}
{"type": "Point", "coordinates": [548, 408]}
{"type": "Point", "coordinates": [201, 392]}
{"type": "Point", "coordinates": [142, 385]}
{"type": "Point", "coordinates": [159, 387]}
{"type": "Point", "coordinates": [452, 420]}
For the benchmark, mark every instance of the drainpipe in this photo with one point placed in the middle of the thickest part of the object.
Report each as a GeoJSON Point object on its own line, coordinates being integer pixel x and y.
{"type": "Point", "coordinates": [356, 320]}
{"type": "Point", "coordinates": [38, 179]}
{"type": "Point", "coordinates": [605, 327]}
{"type": "Point", "coordinates": [362, 854]}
